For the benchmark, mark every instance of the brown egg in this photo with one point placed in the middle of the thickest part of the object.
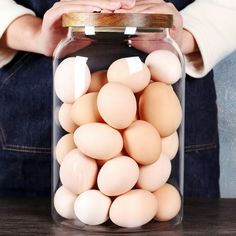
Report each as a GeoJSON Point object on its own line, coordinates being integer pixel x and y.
{"type": "Point", "coordinates": [130, 71]}
{"type": "Point", "coordinates": [133, 209]}
{"type": "Point", "coordinates": [64, 117]}
{"type": "Point", "coordinates": [98, 79]}
{"type": "Point", "coordinates": [160, 106]}
{"type": "Point", "coordinates": [169, 202]}
{"type": "Point", "coordinates": [117, 105]}
{"type": "Point", "coordinates": [85, 110]}
{"type": "Point", "coordinates": [142, 142]}
{"type": "Point", "coordinates": [64, 146]}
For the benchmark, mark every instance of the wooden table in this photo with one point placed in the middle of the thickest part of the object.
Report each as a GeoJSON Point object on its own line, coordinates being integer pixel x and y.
{"type": "Point", "coordinates": [31, 217]}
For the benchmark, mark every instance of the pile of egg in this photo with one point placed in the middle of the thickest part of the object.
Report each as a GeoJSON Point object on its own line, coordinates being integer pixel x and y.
{"type": "Point", "coordinates": [115, 160]}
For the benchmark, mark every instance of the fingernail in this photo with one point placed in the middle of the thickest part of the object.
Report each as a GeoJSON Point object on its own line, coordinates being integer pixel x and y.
{"type": "Point", "coordinates": [105, 11]}
{"type": "Point", "coordinates": [97, 10]}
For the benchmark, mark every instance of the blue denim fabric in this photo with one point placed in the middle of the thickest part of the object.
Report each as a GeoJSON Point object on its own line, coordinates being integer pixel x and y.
{"type": "Point", "coordinates": [25, 126]}
{"type": "Point", "coordinates": [201, 139]}
{"type": "Point", "coordinates": [39, 7]}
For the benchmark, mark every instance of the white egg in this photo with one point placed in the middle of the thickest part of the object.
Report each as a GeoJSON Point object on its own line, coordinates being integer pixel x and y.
{"type": "Point", "coordinates": [92, 207]}
{"type": "Point", "coordinates": [64, 117]}
{"type": "Point", "coordinates": [164, 66]}
{"type": "Point", "coordinates": [64, 146]}
{"type": "Point", "coordinates": [78, 172]}
{"type": "Point", "coordinates": [133, 209]}
{"type": "Point", "coordinates": [118, 176]}
{"type": "Point", "coordinates": [72, 79]}
{"type": "Point", "coordinates": [64, 201]}
{"type": "Point", "coordinates": [170, 145]}
{"type": "Point", "coordinates": [153, 176]}
{"type": "Point", "coordinates": [130, 71]}
{"type": "Point", "coordinates": [98, 140]}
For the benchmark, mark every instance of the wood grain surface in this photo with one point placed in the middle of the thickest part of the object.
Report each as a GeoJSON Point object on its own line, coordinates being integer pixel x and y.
{"type": "Point", "coordinates": [201, 217]}
{"type": "Point", "coordinates": [118, 20]}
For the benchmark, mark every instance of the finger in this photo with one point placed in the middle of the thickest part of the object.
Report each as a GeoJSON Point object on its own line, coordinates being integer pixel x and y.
{"type": "Point", "coordinates": [157, 9]}
{"type": "Point", "coordinates": [136, 9]}
{"type": "Point", "coordinates": [106, 11]}
{"type": "Point", "coordinates": [102, 4]}
{"type": "Point", "coordinates": [52, 18]}
{"type": "Point", "coordinates": [106, 4]}
{"type": "Point", "coordinates": [127, 4]}
{"type": "Point", "coordinates": [141, 2]}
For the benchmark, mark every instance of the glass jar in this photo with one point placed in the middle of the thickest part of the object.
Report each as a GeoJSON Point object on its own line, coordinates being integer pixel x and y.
{"type": "Point", "coordinates": [118, 136]}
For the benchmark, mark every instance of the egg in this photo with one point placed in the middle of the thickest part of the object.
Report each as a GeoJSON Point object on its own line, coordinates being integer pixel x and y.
{"type": "Point", "coordinates": [130, 71]}
{"type": "Point", "coordinates": [118, 176]}
{"type": "Point", "coordinates": [153, 176]}
{"type": "Point", "coordinates": [72, 79]}
{"type": "Point", "coordinates": [170, 145]}
{"type": "Point", "coordinates": [117, 105]}
{"type": "Point", "coordinates": [169, 202]}
{"type": "Point", "coordinates": [98, 140]}
{"type": "Point", "coordinates": [92, 207]}
{"type": "Point", "coordinates": [133, 209]}
{"type": "Point", "coordinates": [164, 66]}
{"type": "Point", "coordinates": [98, 79]}
{"type": "Point", "coordinates": [64, 117]}
{"type": "Point", "coordinates": [160, 106]}
{"type": "Point", "coordinates": [64, 201]}
{"type": "Point", "coordinates": [78, 172]}
{"type": "Point", "coordinates": [102, 162]}
{"type": "Point", "coordinates": [142, 142]}
{"type": "Point", "coordinates": [85, 110]}
{"type": "Point", "coordinates": [64, 146]}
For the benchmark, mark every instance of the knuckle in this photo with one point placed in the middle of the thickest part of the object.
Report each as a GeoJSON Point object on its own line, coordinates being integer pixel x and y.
{"type": "Point", "coordinates": [56, 4]}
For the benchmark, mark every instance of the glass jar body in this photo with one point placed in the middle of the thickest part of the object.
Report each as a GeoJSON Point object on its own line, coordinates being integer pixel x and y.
{"type": "Point", "coordinates": [118, 133]}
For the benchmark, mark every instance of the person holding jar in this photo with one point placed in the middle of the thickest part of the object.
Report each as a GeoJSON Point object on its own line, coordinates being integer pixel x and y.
{"type": "Point", "coordinates": [30, 31]}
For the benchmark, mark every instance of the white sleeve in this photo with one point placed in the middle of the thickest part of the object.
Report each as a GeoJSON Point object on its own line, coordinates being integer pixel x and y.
{"type": "Point", "coordinates": [9, 11]}
{"type": "Point", "coordinates": [212, 23]}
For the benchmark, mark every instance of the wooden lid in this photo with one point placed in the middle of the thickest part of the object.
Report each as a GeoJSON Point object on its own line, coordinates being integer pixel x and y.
{"type": "Point", "coordinates": [139, 20]}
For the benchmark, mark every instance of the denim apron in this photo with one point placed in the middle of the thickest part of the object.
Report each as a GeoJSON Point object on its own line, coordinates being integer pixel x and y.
{"type": "Point", "coordinates": [26, 117]}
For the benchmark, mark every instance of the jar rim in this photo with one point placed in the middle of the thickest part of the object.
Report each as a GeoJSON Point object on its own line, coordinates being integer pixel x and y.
{"type": "Point", "coordinates": [140, 20]}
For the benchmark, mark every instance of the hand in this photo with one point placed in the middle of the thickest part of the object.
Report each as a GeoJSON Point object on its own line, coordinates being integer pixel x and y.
{"type": "Point", "coordinates": [184, 38]}
{"type": "Point", "coordinates": [30, 33]}
{"type": "Point", "coordinates": [51, 31]}
{"type": "Point", "coordinates": [161, 7]}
